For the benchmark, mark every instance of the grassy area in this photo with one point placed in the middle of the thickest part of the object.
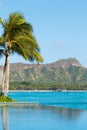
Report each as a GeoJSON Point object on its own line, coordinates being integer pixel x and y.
{"type": "Point", "coordinates": [6, 99]}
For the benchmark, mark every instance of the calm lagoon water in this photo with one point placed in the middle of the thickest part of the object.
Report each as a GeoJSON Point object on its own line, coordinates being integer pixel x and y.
{"type": "Point", "coordinates": [76, 100]}
{"type": "Point", "coordinates": [42, 118]}
{"type": "Point", "coordinates": [57, 111]}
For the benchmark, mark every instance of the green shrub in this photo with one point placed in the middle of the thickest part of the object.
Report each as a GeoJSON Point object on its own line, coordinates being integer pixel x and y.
{"type": "Point", "coordinates": [6, 99]}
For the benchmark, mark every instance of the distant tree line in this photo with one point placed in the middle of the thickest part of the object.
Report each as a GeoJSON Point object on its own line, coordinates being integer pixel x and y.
{"type": "Point", "coordinates": [47, 86]}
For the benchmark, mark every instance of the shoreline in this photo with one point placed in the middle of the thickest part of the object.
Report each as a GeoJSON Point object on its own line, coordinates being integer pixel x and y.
{"type": "Point", "coordinates": [18, 104]}
{"type": "Point", "coordinates": [31, 91]}
{"type": "Point", "coordinates": [47, 90]}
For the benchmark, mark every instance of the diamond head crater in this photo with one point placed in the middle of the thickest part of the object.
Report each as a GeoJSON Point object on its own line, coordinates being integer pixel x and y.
{"type": "Point", "coordinates": [63, 74]}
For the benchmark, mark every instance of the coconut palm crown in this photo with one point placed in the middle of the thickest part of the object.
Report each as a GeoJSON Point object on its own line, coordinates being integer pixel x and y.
{"type": "Point", "coordinates": [17, 38]}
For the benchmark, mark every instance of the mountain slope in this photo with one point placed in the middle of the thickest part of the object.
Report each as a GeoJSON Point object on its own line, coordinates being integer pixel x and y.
{"type": "Point", "coordinates": [65, 71]}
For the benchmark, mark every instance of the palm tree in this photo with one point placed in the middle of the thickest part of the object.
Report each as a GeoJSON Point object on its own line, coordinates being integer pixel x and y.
{"type": "Point", "coordinates": [18, 38]}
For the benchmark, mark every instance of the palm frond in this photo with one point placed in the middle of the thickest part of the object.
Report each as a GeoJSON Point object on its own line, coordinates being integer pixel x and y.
{"type": "Point", "coordinates": [2, 44]}
{"type": "Point", "coordinates": [29, 40]}
{"type": "Point", "coordinates": [2, 53]}
{"type": "Point", "coordinates": [20, 34]}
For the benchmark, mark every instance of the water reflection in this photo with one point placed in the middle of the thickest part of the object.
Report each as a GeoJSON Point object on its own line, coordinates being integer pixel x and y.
{"type": "Point", "coordinates": [4, 118]}
{"type": "Point", "coordinates": [37, 117]}
{"type": "Point", "coordinates": [71, 114]}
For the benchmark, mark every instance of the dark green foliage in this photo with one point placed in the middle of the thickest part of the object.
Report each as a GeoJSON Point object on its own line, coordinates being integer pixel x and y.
{"type": "Point", "coordinates": [47, 86]}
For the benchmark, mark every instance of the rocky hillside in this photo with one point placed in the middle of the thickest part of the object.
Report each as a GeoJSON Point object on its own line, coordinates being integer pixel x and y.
{"type": "Point", "coordinates": [62, 71]}
{"type": "Point", "coordinates": [65, 70]}
{"type": "Point", "coordinates": [66, 63]}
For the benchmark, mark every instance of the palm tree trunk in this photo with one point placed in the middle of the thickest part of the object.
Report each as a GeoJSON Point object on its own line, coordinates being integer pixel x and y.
{"type": "Point", "coordinates": [7, 77]}
{"type": "Point", "coordinates": [3, 80]}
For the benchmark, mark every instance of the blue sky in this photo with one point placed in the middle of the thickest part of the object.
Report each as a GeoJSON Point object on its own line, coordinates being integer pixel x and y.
{"type": "Point", "coordinates": [60, 27]}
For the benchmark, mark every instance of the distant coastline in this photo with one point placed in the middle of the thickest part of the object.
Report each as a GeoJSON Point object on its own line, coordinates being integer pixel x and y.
{"type": "Point", "coordinates": [47, 91]}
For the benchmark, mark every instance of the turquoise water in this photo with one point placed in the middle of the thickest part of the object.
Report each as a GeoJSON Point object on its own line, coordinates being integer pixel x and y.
{"type": "Point", "coordinates": [57, 111]}
{"type": "Point", "coordinates": [75, 100]}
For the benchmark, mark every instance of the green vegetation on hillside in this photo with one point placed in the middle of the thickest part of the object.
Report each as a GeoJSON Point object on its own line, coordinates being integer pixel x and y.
{"type": "Point", "coordinates": [64, 74]}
